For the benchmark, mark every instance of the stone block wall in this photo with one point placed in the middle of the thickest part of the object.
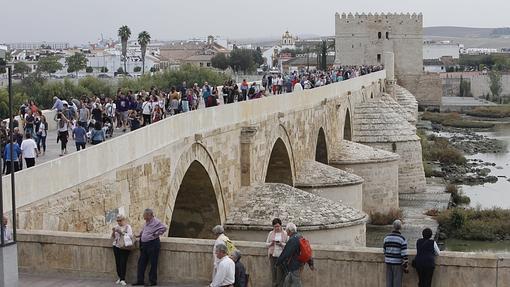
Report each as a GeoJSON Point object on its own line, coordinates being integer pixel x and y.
{"type": "Point", "coordinates": [380, 186]}
{"type": "Point", "coordinates": [427, 88]}
{"type": "Point", "coordinates": [190, 261]}
{"type": "Point", "coordinates": [411, 176]}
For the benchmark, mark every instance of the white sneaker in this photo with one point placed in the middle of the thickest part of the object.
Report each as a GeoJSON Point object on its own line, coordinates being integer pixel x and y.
{"type": "Point", "coordinates": [118, 281]}
{"type": "Point", "coordinates": [123, 283]}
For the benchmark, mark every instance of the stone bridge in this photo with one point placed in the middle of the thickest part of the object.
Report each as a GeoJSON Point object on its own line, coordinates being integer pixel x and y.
{"type": "Point", "coordinates": [292, 156]}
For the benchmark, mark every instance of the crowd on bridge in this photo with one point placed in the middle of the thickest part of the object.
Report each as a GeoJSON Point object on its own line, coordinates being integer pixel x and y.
{"type": "Point", "coordinates": [91, 119]}
{"type": "Point", "coordinates": [287, 250]}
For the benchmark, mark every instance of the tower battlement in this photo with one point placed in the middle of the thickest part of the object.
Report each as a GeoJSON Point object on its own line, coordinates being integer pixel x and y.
{"type": "Point", "coordinates": [401, 18]}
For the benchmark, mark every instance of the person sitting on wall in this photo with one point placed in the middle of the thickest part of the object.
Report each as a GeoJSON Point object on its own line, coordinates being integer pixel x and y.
{"type": "Point", "coordinates": [149, 248]}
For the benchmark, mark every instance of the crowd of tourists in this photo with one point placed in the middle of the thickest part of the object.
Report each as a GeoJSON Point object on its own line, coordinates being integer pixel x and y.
{"type": "Point", "coordinates": [288, 252]}
{"type": "Point", "coordinates": [92, 119]}
{"type": "Point", "coordinates": [308, 79]}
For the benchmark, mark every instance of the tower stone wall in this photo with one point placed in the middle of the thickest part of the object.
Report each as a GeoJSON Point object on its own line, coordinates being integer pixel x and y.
{"type": "Point", "coordinates": [363, 39]}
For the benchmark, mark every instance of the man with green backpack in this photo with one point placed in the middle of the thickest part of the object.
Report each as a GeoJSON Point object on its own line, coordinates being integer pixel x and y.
{"type": "Point", "coordinates": [295, 255]}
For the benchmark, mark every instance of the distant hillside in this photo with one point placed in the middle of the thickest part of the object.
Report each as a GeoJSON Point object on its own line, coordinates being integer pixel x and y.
{"type": "Point", "coordinates": [465, 32]}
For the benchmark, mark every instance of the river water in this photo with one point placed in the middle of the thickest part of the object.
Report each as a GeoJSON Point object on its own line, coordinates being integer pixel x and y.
{"type": "Point", "coordinates": [489, 195]}
{"type": "Point", "coordinates": [493, 194]}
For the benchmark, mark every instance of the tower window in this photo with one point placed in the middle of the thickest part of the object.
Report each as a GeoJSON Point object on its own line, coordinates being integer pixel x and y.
{"type": "Point", "coordinates": [388, 35]}
{"type": "Point", "coordinates": [378, 58]}
{"type": "Point", "coordinates": [379, 35]}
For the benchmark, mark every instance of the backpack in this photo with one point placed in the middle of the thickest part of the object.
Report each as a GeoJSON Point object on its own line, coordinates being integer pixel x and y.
{"type": "Point", "coordinates": [305, 250]}
{"type": "Point", "coordinates": [230, 246]}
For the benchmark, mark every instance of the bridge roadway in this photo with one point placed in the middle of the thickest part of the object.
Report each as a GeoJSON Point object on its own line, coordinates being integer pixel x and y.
{"type": "Point", "coordinates": [29, 280]}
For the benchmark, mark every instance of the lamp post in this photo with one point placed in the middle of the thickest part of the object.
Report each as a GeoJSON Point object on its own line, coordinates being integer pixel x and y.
{"type": "Point", "coordinates": [8, 248]}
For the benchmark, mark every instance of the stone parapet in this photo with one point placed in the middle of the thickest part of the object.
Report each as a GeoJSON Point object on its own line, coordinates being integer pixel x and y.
{"type": "Point", "coordinates": [190, 261]}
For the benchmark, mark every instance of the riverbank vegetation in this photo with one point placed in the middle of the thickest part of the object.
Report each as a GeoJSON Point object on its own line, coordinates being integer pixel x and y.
{"type": "Point", "coordinates": [439, 149]}
{"type": "Point", "coordinates": [454, 120]}
{"type": "Point", "coordinates": [475, 224]}
{"type": "Point", "coordinates": [502, 111]}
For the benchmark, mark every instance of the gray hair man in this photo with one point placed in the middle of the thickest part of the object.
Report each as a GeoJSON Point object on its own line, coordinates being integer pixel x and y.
{"type": "Point", "coordinates": [224, 275]}
{"type": "Point", "coordinates": [221, 238]}
{"type": "Point", "coordinates": [288, 258]}
{"type": "Point", "coordinates": [7, 232]}
{"type": "Point", "coordinates": [395, 255]}
{"type": "Point", "coordinates": [149, 247]}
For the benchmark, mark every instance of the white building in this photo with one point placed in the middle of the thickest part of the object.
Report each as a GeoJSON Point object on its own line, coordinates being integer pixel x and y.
{"type": "Point", "coordinates": [478, 51]}
{"type": "Point", "coordinates": [436, 50]}
{"type": "Point", "coordinates": [288, 41]}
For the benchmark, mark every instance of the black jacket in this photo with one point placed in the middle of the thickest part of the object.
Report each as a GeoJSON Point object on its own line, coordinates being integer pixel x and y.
{"type": "Point", "coordinates": [288, 258]}
{"type": "Point", "coordinates": [240, 276]}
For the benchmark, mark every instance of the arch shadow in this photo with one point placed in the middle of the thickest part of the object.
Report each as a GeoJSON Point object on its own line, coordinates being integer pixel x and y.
{"type": "Point", "coordinates": [347, 126]}
{"type": "Point", "coordinates": [195, 202]}
{"type": "Point", "coordinates": [279, 169]}
{"type": "Point", "coordinates": [321, 148]}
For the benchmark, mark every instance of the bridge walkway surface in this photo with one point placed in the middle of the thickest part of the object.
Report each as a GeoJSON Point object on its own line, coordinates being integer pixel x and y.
{"type": "Point", "coordinates": [29, 280]}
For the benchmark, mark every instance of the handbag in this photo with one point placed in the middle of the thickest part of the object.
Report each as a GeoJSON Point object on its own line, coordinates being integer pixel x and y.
{"type": "Point", "coordinates": [126, 241]}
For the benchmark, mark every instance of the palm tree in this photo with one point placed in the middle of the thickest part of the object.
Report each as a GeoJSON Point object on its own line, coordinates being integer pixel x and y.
{"type": "Point", "coordinates": [124, 34]}
{"type": "Point", "coordinates": [144, 38]}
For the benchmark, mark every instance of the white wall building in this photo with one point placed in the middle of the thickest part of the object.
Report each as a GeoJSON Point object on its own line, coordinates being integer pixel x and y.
{"type": "Point", "coordinates": [436, 50]}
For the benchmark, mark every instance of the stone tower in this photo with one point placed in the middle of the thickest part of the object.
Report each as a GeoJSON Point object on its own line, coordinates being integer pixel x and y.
{"type": "Point", "coordinates": [363, 39]}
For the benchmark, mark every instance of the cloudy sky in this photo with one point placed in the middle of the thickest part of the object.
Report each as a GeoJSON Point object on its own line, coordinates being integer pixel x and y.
{"type": "Point", "coordinates": [77, 21]}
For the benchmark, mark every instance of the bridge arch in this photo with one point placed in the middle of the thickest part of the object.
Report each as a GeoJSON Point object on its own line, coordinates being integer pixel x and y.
{"type": "Point", "coordinates": [280, 163]}
{"type": "Point", "coordinates": [347, 134]}
{"type": "Point", "coordinates": [195, 202]}
{"type": "Point", "coordinates": [321, 148]}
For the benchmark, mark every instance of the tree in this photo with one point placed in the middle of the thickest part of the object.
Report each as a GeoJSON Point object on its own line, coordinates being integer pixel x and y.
{"type": "Point", "coordinates": [89, 69]}
{"type": "Point", "coordinates": [242, 59]}
{"type": "Point", "coordinates": [322, 54]}
{"type": "Point", "coordinates": [2, 63]}
{"type": "Point", "coordinates": [220, 61]}
{"type": "Point", "coordinates": [257, 56]}
{"type": "Point", "coordinates": [137, 69]}
{"type": "Point", "coordinates": [124, 34]}
{"type": "Point", "coordinates": [144, 38]}
{"type": "Point", "coordinates": [76, 63]}
{"type": "Point", "coordinates": [49, 64]}
{"type": "Point", "coordinates": [21, 69]}
{"type": "Point", "coordinates": [495, 85]}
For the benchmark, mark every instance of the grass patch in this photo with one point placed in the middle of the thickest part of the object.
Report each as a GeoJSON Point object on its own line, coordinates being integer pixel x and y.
{"type": "Point", "coordinates": [458, 197]}
{"type": "Point", "coordinates": [378, 218]}
{"type": "Point", "coordinates": [476, 224]}
{"type": "Point", "coordinates": [438, 149]}
{"type": "Point", "coordinates": [491, 112]}
{"type": "Point", "coordinates": [454, 120]}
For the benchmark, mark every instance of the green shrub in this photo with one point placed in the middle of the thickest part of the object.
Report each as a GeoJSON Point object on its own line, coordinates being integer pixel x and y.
{"type": "Point", "coordinates": [491, 112]}
{"type": "Point", "coordinates": [454, 120]}
{"type": "Point", "coordinates": [475, 224]}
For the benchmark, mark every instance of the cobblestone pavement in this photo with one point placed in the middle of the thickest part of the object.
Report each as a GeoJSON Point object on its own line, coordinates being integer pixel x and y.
{"type": "Point", "coordinates": [413, 207]}
{"type": "Point", "coordinates": [29, 280]}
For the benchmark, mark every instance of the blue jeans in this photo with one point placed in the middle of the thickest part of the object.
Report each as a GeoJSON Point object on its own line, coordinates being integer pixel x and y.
{"type": "Point", "coordinates": [293, 279]}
